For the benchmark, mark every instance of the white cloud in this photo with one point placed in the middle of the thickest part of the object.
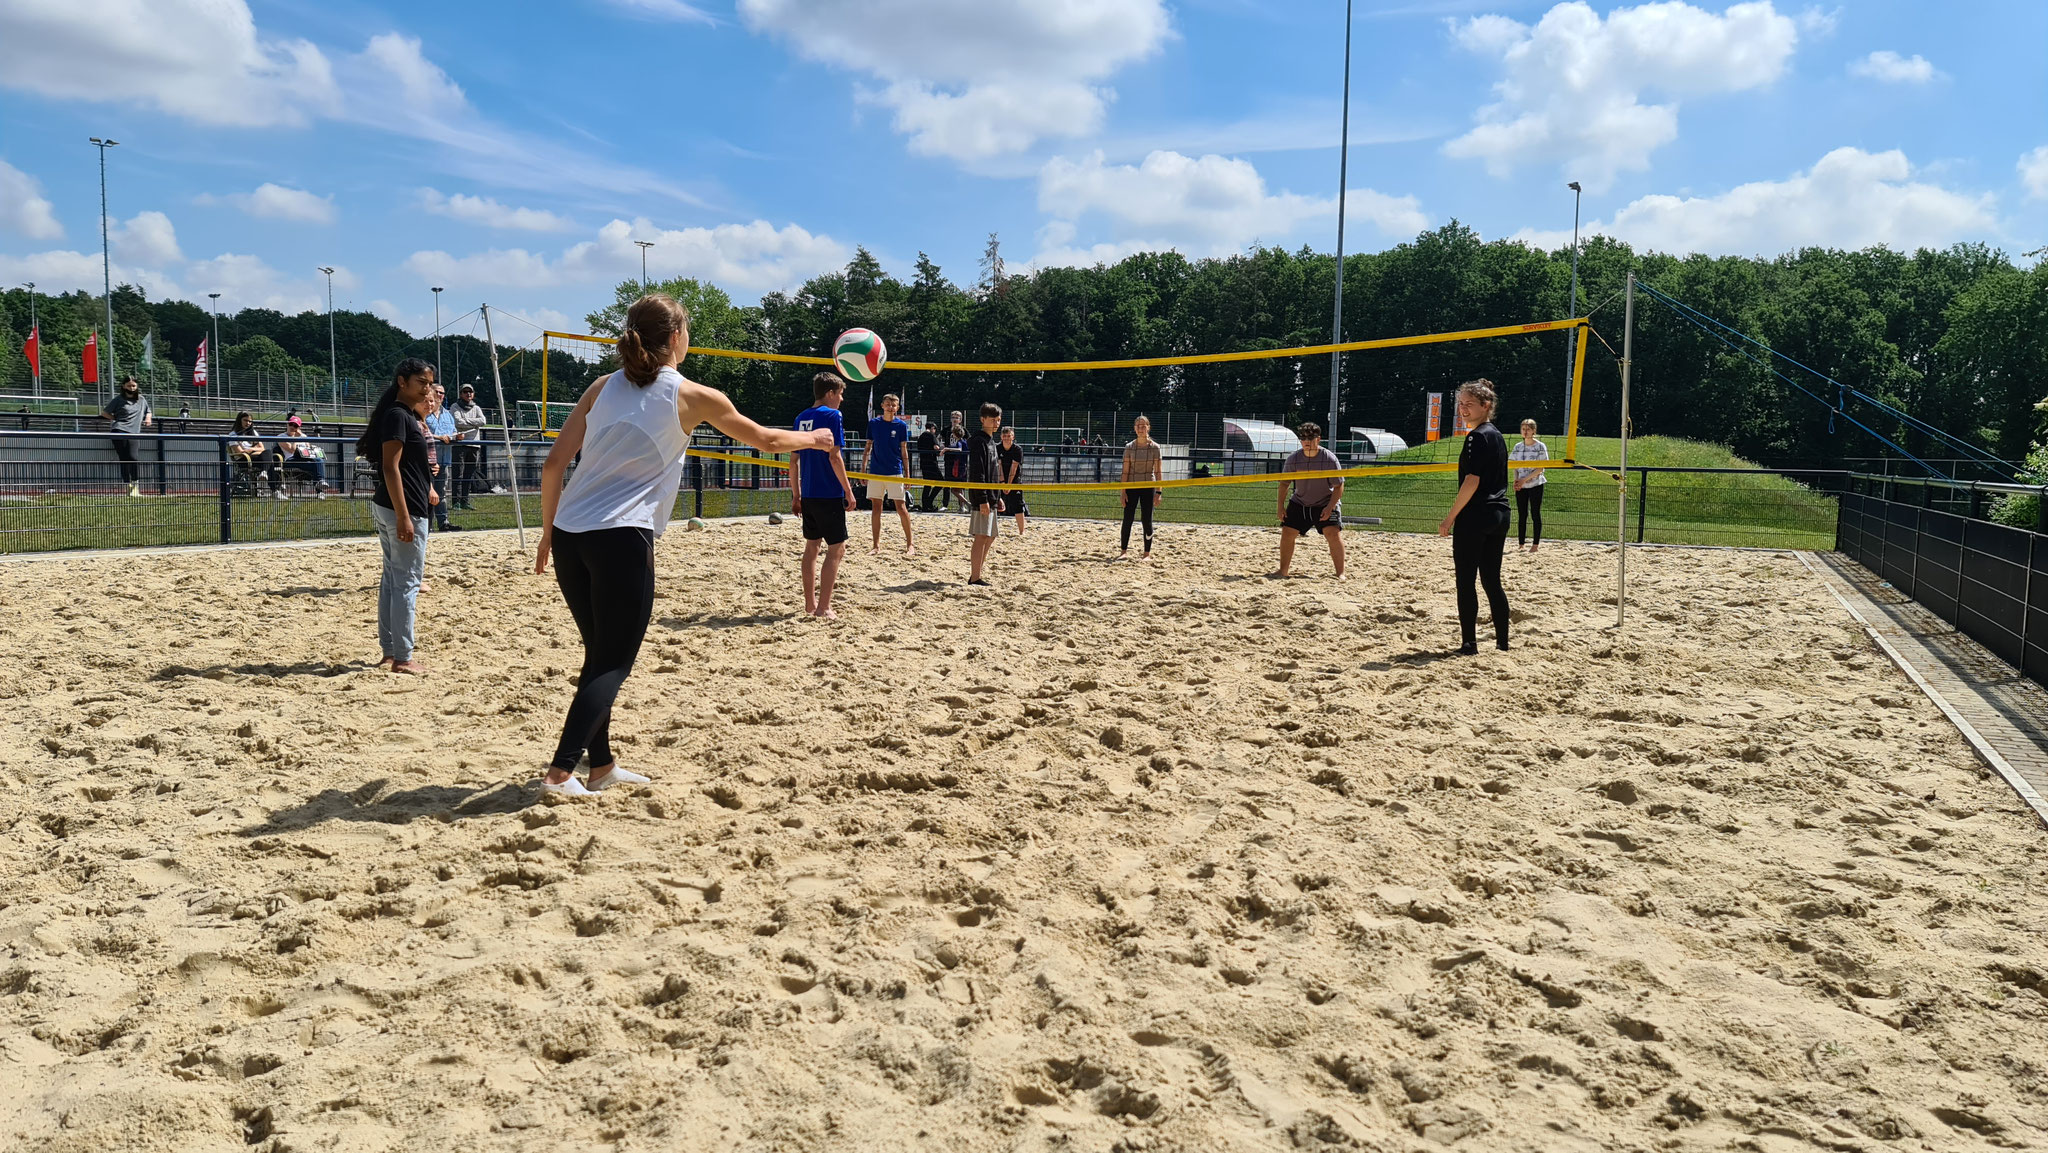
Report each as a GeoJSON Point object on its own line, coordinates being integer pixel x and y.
{"type": "Point", "coordinates": [742, 258]}
{"type": "Point", "coordinates": [23, 208]}
{"type": "Point", "coordinates": [68, 271]}
{"type": "Point", "coordinates": [148, 239]}
{"type": "Point", "coordinates": [975, 80]}
{"type": "Point", "coordinates": [246, 281]}
{"type": "Point", "coordinates": [276, 202]}
{"type": "Point", "coordinates": [197, 59]}
{"type": "Point", "coordinates": [1820, 23]}
{"type": "Point", "coordinates": [1850, 199]}
{"type": "Point", "coordinates": [1572, 86]}
{"type": "Point", "coordinates": [1206, 206]}
{"type": "Point", "coordinates": [2034, 173]}
{"type": "Point", "coordinates": [674, 11]}
{"type": "Point", "coordinates": [491, 214]}
{"type": "Point", "coordinates": [1891, 68]}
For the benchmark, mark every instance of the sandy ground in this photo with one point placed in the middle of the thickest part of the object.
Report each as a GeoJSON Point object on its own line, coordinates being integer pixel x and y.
{"type": "Point", "coordinates": [1110, 857]}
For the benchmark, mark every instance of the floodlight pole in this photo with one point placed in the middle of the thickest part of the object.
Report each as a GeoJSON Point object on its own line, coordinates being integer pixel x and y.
{"type": "Point", "coordinates": [511, 464]}
{"type": "Point", "coordinates": [106, 259]}
{"type": "Point", "coordinates": [437, 336]}
{"type": "Point", "coordinates": [1343, 178]}
{"type": "Point", "coordinates": [332, 374]}
{"type": "Point", "coordinates": [644, 246]}
{"type": "Point", "coordinates": [1628, 351]}
{"type": "Point", "coordinates": [1571, 348]}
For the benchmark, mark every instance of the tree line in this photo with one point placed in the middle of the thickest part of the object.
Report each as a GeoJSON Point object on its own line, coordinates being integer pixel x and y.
{"type": "Point", "coordinates": [1956, 337]}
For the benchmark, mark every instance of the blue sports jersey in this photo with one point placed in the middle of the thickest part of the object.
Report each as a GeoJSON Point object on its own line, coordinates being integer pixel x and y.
{"type": "Point", "coordinates": [886, 439]}
{"type": "Point", "coordinates": [816, 476]}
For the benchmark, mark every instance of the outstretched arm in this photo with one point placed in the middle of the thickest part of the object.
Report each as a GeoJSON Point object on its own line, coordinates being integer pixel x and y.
{"type": "Point", "coordinates": [710, 406]}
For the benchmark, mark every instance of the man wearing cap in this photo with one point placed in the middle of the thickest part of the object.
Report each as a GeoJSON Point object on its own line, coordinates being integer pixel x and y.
{"type": "Point", "coordinates": [469, 444]}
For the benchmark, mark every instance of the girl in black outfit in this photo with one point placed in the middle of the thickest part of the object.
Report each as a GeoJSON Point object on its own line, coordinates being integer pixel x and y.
{"type": "Point", "coordinates": [1478, 520]}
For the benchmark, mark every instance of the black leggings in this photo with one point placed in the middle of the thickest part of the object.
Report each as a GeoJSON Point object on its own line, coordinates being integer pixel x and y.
{"type": "Point", "coordinates": [1529, 508]}
{"type": "Point", "coordinates": [1476, 554]}
{"type": "Point", "coordinates": [607, 578]}
{"type": "Point", "coordinates": [124, 451]}
{"type": "Point", "coordinates": [1140, 502]}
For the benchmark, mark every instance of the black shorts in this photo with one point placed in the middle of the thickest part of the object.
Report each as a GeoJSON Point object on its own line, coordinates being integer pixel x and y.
{"type": "Point", "coordinates": [1302, 519]}
{"type": "Point", "coordinates": [825, 519]}
{"type": "Point", "coordinates": [1013, 504]}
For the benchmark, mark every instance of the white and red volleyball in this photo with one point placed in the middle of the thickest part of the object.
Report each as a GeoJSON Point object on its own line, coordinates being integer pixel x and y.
{"type": "Point", "coordinates": [859, 355]}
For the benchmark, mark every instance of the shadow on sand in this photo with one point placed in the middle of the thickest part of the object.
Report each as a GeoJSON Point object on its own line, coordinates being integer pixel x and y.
{"type": "Point", "coordinates": [371, 802]}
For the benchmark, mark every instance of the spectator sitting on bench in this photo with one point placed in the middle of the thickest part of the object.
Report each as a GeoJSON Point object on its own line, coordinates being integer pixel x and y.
{"type": "Point", "coordinates": [245, 447]}
{"type": "Point", "coordinates": [304, 457]}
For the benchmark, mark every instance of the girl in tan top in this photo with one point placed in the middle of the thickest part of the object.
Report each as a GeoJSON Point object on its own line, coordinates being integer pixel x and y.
{"type": "Point", "coordinates": [1141, 462]}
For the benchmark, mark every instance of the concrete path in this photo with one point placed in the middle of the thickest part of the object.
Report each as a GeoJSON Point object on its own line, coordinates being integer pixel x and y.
{"type": "Point", "coordinates": [2003, 714]}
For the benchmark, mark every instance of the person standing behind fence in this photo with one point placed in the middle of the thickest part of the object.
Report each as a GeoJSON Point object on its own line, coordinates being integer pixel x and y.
{"type": "Point", "coordinates": [889, 457]}
{"type": "Point", "coordinates": [470, 418]}
{"type": "Point", "coordinates": [394, 441]}
{"type": "Point", "coordinates": [1478, 521]}
{"type": "Point", "coordinates": [929, 468]}
{"type": "Point", "coordinates": [632, 428]}
{"type": "Point", "coordinates": [956, 460]}
{"type": "Point", "coordinates": [1529, 484]}
{"type": "Point", "coordinates": [1011, 455]}
{"type": "Point", "coordinates": [440, 426]}
{"type": "Point", "coordinates": [127, 411]}
{"type": "Point", "coordinates": [1318, 502]}
{"type": "Point", "coordinates": [1141, 462]}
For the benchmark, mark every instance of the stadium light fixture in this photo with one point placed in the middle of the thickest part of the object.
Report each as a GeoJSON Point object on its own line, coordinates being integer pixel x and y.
{"type": "Point", "coordinates": [106, 259]}
{"type": "Point", "coordinates": [644, 246]}
{"type": "Point", "coordinates": [437, 335]}
{"type": "Point", "coordinates": [1571, 347]}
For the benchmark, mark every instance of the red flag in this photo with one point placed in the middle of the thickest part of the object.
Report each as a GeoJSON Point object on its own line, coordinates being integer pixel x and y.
{"type": "Point", "coordinates": [92, 358]}
{"type": "Point", "coordinates": [199, 366]}
{"type": "Point", "coordinates": [33, 349]}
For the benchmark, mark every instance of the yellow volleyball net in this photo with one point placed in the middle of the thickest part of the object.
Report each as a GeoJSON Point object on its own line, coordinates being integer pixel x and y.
{"type": "Point", "coordinates": [1403, 491]}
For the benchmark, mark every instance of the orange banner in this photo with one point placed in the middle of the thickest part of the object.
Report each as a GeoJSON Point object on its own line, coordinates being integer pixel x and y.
{"type": "Point", "coordinates": [1436, 417]}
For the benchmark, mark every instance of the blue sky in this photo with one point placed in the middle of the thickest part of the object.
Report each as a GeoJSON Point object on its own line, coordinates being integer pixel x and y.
{"type": "Point", "coordinates": [512, 152]}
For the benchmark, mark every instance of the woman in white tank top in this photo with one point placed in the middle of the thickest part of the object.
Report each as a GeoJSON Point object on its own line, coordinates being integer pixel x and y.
{"type": "Point", "coordinates": [632, 428]}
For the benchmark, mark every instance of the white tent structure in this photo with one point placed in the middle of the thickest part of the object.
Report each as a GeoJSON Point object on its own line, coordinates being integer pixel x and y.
{"type": "Point", "coordinates": [1242, 434]}
{"type": "Point", "coordinates": [1376, 442]}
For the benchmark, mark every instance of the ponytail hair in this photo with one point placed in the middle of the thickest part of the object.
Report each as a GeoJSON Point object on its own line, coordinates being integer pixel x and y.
{"type": "Point", "coordinates": [654, 324]}
{"type": "Point", "coordinates": [367, 446]}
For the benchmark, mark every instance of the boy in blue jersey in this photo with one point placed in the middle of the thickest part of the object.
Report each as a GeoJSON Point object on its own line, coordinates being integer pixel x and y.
{"type": "Point", "coordinates": [889, 456]}
{"type": "Point", "coordinates": [820, 493]}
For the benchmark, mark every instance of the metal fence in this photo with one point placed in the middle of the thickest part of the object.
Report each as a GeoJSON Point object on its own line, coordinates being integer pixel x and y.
{"type": "Point", "coordinates": [1988, 580]}
{"type": "Point", "coordinates": [62, 490]}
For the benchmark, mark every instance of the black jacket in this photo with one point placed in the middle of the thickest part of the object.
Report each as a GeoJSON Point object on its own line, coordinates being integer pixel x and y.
{"type": "Point", "coordinates": [984, 465]}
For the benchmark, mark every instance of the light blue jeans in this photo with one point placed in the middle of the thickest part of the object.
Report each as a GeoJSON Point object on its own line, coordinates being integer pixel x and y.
{"type": "Point", "coordinates": [398, 595]}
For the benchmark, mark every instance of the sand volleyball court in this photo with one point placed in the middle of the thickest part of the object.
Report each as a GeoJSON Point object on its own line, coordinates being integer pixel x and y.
{"type": "Point", "coordinates": [1110, 857]}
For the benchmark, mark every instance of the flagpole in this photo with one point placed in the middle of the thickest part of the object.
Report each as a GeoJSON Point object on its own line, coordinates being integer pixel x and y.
{"type": "Point", "coordinates": [37, 364]}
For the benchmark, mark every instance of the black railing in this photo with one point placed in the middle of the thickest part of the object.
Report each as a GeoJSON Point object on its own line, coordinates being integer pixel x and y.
{"type": "Point", "coordinates": [1988, 580]}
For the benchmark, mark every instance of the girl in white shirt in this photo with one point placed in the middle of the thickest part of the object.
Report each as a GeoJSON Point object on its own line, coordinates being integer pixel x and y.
{"type": "Point", "coordinates": [1529, 484]}
{"type": "Point", "coordinates": [632, 428]}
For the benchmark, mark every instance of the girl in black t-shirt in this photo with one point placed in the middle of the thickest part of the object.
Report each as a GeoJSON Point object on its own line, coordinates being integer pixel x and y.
{"type": "Point", "coordinates": [394, 442]}
{"type": "Point", "coordinates": [1011, 457]}
{"type": "Point", "coordinates": [1478, 521]}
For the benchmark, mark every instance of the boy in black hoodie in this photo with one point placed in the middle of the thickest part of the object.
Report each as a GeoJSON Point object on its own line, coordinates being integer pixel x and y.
{"type": "Point", "coordinates": [984, 468]}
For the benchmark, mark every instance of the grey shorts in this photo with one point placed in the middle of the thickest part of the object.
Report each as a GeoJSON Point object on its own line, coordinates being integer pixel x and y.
{"type": "Point", "coordinates": [983, 523]}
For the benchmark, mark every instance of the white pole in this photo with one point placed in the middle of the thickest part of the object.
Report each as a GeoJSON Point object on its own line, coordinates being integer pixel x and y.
{"type": "Point", "coordinates": [1343, 178]}
{"type": "Point", "coordinates": [511, 465]}
{"type": "Point", "coordinates": [1628, 348]}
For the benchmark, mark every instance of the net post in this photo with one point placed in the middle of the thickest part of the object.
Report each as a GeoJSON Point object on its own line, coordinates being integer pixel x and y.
{"type": "Point", "coordinates": [1628, 348]}
{"type": "Point", "coordinates": [1571, 434]}
{"type": "Point", "coordinates": [544, 384]}
{"type": "Point", "coordinates": [511, 461]}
